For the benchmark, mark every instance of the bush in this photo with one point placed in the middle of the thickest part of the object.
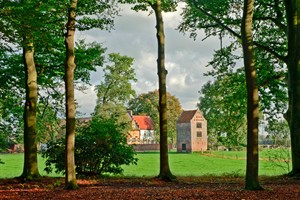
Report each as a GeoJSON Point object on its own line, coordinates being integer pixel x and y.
{"type": "Point", "coordinates": [100, 148]}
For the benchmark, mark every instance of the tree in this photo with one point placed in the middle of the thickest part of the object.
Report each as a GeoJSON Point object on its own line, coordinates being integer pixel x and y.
{"type": "Point", "coordinates": [252, 182]}
{"type": "Point", "coordinates": [227, 120]}
{"type": "Point", "coordinates": [165, 172]}
{"type": "Point", "coordinates": [293, 34]}
{"type": "Point", "coordinates": [278, 132]}
{"type": "Point", "coordinates": [70, 100]}
{"type": "Point", "coordinates": [158, 7]}
{"type": "Point", "coordinates": [147, 104]}
{"type": "Point", "coordinates": [116, 87]}
{"type": "Point", "coordinates": [25, 32]}
{"type": "Point", "coordinates": [30, 159]}
{"type": "Point", "coordinates": [115, 91]}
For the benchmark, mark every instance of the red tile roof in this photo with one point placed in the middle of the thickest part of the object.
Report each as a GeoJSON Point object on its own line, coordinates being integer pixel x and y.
{"type": "Point", "coordinates": [144, 122]}
{"type": "Point", "coordinates": [186, 116]}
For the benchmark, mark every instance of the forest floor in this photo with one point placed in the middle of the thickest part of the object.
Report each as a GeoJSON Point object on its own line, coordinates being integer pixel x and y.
{"type": "Point", "coordinates": [151, 188]}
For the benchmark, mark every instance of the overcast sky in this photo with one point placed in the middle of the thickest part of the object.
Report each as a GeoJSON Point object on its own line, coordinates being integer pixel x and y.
{"type": "Point", "coordinates": [134, 35]}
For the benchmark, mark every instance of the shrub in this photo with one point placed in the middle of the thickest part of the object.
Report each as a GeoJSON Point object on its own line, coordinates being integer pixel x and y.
{"type": "Point", "coordinates": [100, 148]}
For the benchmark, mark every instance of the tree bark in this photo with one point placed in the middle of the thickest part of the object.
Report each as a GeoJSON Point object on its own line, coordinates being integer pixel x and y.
{"type": "Point", "coordinates": [165, 172]}
{"type": "Point", "coordinates": [70, 178]}
{"type": "Point", "coordinates": [293, 114]}
{"type": "Point", "coordinates": [30, 169]}
{"type": "Point", "coordinates": [251, 181]}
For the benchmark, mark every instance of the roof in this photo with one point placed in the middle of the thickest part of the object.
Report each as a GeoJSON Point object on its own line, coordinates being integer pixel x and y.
{"type": "Point", "coordinates": [186, 116]}
{"type": "Point", "coordinates": [144, 122]}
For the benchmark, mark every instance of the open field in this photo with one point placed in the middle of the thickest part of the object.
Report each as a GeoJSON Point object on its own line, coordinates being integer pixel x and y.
{"type": "Point", "coordinates": [197, 164]}
{"type": "Point", "coordinates": [181, 164]}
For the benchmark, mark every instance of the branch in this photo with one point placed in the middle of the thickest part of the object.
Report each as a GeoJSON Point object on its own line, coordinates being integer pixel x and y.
{"type": "Point", "coordinates": [235, 34]}
{"type": "Point", "coordinates": [43, 67]}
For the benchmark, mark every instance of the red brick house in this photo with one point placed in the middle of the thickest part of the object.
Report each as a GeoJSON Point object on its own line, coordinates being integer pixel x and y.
{"type": "Point", "coordinates": [191, 131]}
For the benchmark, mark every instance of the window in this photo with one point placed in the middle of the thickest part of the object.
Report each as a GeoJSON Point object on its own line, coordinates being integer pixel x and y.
{"type": "Point", "coordinates": [199, 125]}
{"type": "Point", "coordinates": [199, 134]}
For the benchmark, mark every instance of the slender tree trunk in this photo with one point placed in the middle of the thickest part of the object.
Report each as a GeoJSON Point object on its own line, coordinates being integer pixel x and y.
{"type": "Point", "coordinates": [30, 169]}
{"type": "Point", "coordinates": [70, 66]}
{"type": "Point", "coordinates": [293, 114]}
{"type": "Point", "coordinates": [251, 182]}
{"type": "Point", "coordinates": [165, 172]}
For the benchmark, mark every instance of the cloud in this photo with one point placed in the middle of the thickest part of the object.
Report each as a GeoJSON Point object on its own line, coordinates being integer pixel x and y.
{"type": "Point", "coordinates": [134, 35]}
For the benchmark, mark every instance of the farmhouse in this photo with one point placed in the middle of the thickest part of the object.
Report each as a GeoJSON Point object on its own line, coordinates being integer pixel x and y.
{"type": "Point", "coordinates": [191, 131]}
{"type": "Point", "coordinates": [142, 131]}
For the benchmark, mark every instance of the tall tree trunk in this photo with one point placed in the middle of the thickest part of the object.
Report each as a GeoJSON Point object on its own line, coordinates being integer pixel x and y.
{"type": "Point", "coordinates": [30, 169]}
{"type": "Point", "coordinates": [70, 66]}
{"type": "Point", "coordinates": [293, 114]}
{"type": "Point", "coordinates": [165, 172]}
{"type": "Point", "coordinates": [252, 182]}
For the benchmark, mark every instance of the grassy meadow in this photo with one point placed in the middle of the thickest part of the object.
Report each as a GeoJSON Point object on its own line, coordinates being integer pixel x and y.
{"type": "Point", "coordinates": [182, 164]}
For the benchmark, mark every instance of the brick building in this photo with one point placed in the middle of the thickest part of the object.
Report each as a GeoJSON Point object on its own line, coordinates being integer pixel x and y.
{"type": "Point", "coordinates": [191, 131]}
{"type": "Point", "coordinates": [142, 131]}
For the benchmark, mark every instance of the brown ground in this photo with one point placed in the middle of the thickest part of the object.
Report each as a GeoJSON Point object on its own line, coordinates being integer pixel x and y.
{"type": "Point", "coordinates": [121, 188]}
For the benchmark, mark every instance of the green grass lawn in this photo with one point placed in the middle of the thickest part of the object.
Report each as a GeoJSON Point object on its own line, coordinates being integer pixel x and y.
{"type": "Point", "coordinates": [196, 164]}
{"type": "Point", "coordinates": [181, 164]}
{"type": "Point", "coordinates": [13, 166]}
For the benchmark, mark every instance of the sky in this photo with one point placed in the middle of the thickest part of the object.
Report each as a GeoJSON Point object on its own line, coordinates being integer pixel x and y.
{"type": "Point", "coordinates": [134, 35]}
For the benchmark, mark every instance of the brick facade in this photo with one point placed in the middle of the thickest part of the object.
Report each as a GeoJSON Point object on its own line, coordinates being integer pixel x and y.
{"type": "Point", "coordinates": [191, 132]}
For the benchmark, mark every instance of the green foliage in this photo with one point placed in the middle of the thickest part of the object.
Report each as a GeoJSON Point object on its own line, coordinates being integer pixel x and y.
{"type": "Point", "coordinates": [223, 103]}
{"type": "Point", "coordinates": [101, 148]}
{"type": "Point", "coordinates": [223, 18]}
{"type": "Point", "coordinates": [145, 5]}
{"type": "Point", "coordinates": [278, 132]}
{"type": "Point", "coordinates": [116, 89]}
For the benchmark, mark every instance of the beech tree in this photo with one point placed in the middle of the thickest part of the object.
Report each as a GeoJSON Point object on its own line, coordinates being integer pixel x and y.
{"type": "Point", "coordinates": [70, 99]}
{"type": "Point", "coordinates": [158, 7]}
{"type": "Point", "coordinates": [293, 34]}
{"type": "Point", "coordinates": [24, 23]}
{"type": "Point", "coordinates": [252, 182]}
{"type": "Point", "coordinates": [102, 20]}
